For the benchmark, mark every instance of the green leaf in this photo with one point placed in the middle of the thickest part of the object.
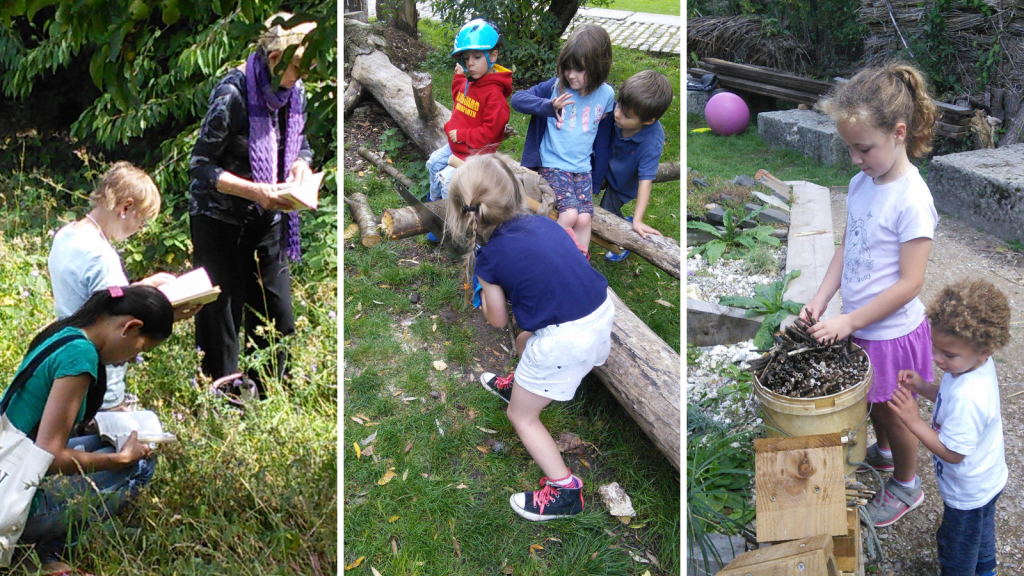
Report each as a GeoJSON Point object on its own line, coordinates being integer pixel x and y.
{"type": "Point", "coordinates": [761, 290]}
{"type": "Point", "coordinates": [97, 64]}
{"type": "Point", "coordinates": [703, 227]}
{"type": "Point", "coordinates": [247, 11]}
{"type": "Point", "coordinates": [793, 307]}
{"type": "Point", "coordinates": [738, 301]}
{"type": "Point", "coordinates": [713, 250]}
{"type": "Point", "coordinates": [763, 339]}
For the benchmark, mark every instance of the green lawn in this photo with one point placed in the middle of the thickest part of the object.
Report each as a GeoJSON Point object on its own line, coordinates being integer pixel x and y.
{"type": "Point", "coordinates": [445, 510]}
{"type": "Point", "coordinates": [652, 7]}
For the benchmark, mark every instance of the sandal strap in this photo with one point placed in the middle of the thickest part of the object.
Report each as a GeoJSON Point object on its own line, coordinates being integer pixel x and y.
{"type": "Point", "coordinates": [901, 492]}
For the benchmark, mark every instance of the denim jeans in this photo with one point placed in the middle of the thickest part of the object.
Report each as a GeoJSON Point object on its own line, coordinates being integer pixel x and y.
{"type": "Point", "coordinates": [440, 172]}
{"type": "Point", "coordinates": [967, 540]}
{"type": "Point", "coordinates": [66, 502]}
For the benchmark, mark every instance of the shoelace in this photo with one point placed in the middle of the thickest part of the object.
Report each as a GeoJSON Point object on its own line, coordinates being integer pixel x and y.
{"type": "Point", "coordinates": [545, 495]}
{"type": "Point", "coordinates": [504, 382]}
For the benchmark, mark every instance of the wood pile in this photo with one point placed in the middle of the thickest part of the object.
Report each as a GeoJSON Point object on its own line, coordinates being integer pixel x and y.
{"type": "Point", "coordinates": [742, 38]}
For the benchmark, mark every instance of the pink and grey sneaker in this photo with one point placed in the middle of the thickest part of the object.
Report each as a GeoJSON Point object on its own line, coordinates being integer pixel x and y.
{"type": "Point", "coordinates": [893, 502]}
{"type": "Point", "coordinates": [877, 460]}
{"type": "Point", "coordinates": [500, 386]}
{"type": "Point", "coordinates": [550, 502]}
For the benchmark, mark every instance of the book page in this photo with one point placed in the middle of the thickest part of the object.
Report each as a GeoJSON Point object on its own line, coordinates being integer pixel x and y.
{"type": "Point", "coordinates": [194, 288]}
{"type": "Point", "coordinates": [116, 427]}
{"type": "Point", "coordinates": [306, 196]}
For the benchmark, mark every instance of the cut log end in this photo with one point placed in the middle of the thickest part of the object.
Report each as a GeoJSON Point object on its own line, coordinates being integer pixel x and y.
{"type": "Point", "coordinates": [359, 206]}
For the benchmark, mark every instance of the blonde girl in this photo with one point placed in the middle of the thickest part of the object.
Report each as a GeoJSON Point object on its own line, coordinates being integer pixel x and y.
{"type": "Point", "coordinates": [884, 116]}
{"type": "Point", "coordinates": [559, 301]}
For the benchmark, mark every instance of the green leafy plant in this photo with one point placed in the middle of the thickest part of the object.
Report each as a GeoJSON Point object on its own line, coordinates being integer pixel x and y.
{"type": "Point", "coordinates": [735, 239]}
{"type": "Point", "coordinates": [391, 142]}
{"type": "Point", "coordinates": [768, 302]}
{"type": "Point", "coordinates": [420, 176]}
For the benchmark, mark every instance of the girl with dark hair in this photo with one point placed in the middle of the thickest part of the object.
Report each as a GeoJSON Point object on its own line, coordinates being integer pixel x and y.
{"type": "Point", "coordinates": [63, 385]}
{"type": "Point", "coordinates": [567, 111]}
{"type": "Point", "coordinates": [250, 142]}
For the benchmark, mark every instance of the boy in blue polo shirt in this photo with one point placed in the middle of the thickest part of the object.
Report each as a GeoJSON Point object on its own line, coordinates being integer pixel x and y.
{"type": "Point", "coordinates": [629, 161]}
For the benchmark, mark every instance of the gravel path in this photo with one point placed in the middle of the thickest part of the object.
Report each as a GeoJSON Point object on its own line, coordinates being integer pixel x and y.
{"type": "Point", "coordinates": [959, 251]}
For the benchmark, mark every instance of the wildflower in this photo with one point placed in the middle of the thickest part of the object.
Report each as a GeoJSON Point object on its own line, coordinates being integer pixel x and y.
{"type": "Point", "coordinates": [332, 315]}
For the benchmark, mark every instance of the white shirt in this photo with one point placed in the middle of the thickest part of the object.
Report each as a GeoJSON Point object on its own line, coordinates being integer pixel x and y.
{"type": "Point", "coordinates": [968, 420]}
{"type": "Point", "coordinates": [879, 219]}
{"type": "Point", "coordinates": [82, 262]}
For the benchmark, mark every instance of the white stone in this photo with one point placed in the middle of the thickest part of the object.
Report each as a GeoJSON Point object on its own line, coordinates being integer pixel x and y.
{"type": "Point", "coordinates": [616, 499]}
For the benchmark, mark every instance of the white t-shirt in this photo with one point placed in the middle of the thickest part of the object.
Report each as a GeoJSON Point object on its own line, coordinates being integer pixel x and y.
{"type": "Point", "coordinates": [569, 147]}
{"type": "Point", "coordinates": [968, 420]}
{"type": "Point", "coordinates": [82, 262]}
{"type": "Point", "coordinates": [879, 219]}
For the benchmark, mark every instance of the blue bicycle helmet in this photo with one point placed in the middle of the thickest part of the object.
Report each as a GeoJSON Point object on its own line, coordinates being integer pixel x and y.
{"type": "Point", "coordinates": [477, 34]}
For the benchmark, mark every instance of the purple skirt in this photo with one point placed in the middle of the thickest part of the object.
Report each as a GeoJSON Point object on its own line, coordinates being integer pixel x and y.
{"type": "Point", "coordinates": [910, 352]}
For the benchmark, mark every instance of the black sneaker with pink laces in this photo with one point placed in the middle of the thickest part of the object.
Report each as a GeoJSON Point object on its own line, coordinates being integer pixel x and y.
{"type": "Point", "coordinates": [550, 502]}
{"type": "Point", "coordinates": [500, 386]}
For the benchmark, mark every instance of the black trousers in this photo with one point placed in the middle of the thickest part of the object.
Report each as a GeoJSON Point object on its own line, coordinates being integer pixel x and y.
{"type": "Point", "coordinates": [246, 262]}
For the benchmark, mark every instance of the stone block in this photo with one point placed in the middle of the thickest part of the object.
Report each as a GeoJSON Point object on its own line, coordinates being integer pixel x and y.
{"type": "Point", "coordinates": [806, 131]}
{"type": "Point", "coordinates": [984, 188]}
{"type": "Point", "coordinates": [696, 100]}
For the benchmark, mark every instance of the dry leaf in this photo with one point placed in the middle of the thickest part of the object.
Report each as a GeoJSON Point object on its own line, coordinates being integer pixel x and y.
{"type": "Point", "coordinates": [555, 539]}
{"type": "Point", "coordinates": [394, 547]}
{"type": "Point", "coordinates": [363, 416]}
{"type": "Point", "coordinates": [665, 304]}
{"type": "Point", "coordinates": [407, 448]}
{"type": "Point", "coordinates": [569, 442]}
{"type": "Point", "coordinates": [637, 525]}
{"type": "Point", "coordinates": [405, 474]}
{"type": "Point", "coordinates": [471, 413]}
{"type": "Point", "coordinates": [624, 519]}
{"type": "Point", "coordinates": [585, 463]}
{"type": "Point", "coordinates": [594, 555]}
{"type": "Point", "coordinates": [488, 430]}
{"type": "Point", "coordinates": [350, 231]}
{"type": "Point", "coordinates": [393, 518]}
{"type": "Point", "coordinates": [356, 420]}
{"type": "Point", "coordinates": [387, 477]}
{"type": "Point", "coordinates": [536, 547]}
{"type": "Point", "coordinates": [371, 423]}
{"type": "Point", "coordinates": [436, 421]}
{"type": "Point", "coordinates": [461, 486]}
{"type": "Point", "coordinates": [360, 174]}
{"type": "Point", "coordinates": [508, 570]}
{"type": "Point", "coordinates": [458, 552]}
{"type": "Point", "coordinates": [647, 573]}
{"type": "Point", "coordinates": [368, 451]}
{"type": "Point", "coordinates": [359, 453]}
{"type": "Point", "coordinates": [369, 439]}
{"type": "Point", "coordinates": [374, 570]}
{"type": "Point", "coordinates": [356, 563]}
{"type": "Point", "coordinates": [484, 449]}
{"type": "Point", "coordinates": [439, 365]}
{"type": "Point", "coordinates": [359, 306]}
{"type": "Point", "coordinates": [389, 160]}
{"type": "Point", "coordinates": [434, 327]}
{"type": "Point", "coordinates": [653, 558]}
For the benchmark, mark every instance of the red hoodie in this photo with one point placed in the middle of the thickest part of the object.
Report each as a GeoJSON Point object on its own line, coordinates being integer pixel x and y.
{"type": "Point", "coordinates": [479, 115]}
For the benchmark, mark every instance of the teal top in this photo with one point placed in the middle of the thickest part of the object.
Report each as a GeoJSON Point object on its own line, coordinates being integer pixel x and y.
{"type": "Point", "coordinates": [73, 359]}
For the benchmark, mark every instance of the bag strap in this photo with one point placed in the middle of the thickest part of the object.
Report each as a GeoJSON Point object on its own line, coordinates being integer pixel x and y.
{"type": "Point", "coordinates": [22, 377]}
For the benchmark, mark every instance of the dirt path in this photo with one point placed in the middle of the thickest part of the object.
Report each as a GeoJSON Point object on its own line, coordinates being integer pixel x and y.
{"type": "Point", "coordinates": [960, 251]}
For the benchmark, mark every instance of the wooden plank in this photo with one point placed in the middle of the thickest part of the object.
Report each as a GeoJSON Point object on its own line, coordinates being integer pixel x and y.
{"type": "Point", "coordinates": [807, 557]}
{"type": "Point", "coordinates": [955, 135]}
{"type": "Point", "coordinates": [800, 493]}
{"type": "Point", "coordinates": [953, 128]}
{"type": "Point", "coordinates": [766, 75]}
{"type": "Point", "coordinates": [810, 246]}
{"type": "Point", "coordinates": [954, 110]}
{"type": "Point", "coordinates": [709, 324]}
{"type": "Point", "coordinates": [766, 90]}
{"type": "Point", "coordinates": [797, 442]}
{"type": "Point", "coordinates": [849, 550]}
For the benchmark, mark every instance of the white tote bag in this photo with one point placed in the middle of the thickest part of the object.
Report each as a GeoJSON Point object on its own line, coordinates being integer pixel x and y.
{"type": "Point", "coordinates": [22, 467]}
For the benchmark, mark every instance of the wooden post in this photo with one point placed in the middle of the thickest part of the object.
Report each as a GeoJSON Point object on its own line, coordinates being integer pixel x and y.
{"type": "Point", "coordinates": [806, 557]}
{"type": "Point", "coordinates": [801, 490]}
{"type": "Point", "coordinates": [359, 206]}
{"type": "Point", "coordinates": [422, 92]}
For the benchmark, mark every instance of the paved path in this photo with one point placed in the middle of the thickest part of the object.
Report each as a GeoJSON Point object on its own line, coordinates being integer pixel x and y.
{"type": "Point", "coordinates": [653, 33]}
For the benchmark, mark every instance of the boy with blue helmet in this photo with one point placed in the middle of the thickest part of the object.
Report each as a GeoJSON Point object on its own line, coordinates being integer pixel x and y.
{"type": "Point", "coordinates": [480, 92]}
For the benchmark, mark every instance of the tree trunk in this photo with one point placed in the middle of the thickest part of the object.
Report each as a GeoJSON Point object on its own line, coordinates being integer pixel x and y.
{"type": "Point", "coordinates": [667, 171]}
{"type": "Point", "coordinates": [398, 223]}
{"type": "Point", "coordinates": [392, 88]}
{"type": "Point", "coordinates": [423, 93]}
{"type": "Point", "coordinates": [355, 94]}
{"type": "Point", "coordinates": [359, 206]}
{"type": "Point", "coordinates": [1014, 126]}
{"type": "Point", "coordinates": [563, 11]}
{"type": "Point", "coordinates": [643, 374]}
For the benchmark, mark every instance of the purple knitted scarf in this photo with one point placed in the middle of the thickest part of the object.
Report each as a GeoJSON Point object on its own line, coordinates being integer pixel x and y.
{"type": "Point", "coordinates": [264, 103]}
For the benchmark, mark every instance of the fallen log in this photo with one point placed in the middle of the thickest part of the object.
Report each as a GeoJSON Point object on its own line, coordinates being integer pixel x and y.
{"type": "Point", "coordinates": [642, 372]}
{"type": "Point", "coordinates": [359, 206]}
{"type": "Point", "coordinates": [388, 168]}
{"type": "Point", "coordinates": [667, 171]}
{"type": "Point", "coordinates": [354, 96]}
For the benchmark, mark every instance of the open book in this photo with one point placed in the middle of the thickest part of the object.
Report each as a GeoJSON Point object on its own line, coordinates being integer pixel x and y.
{"type": "Point", "coordinates": [305, 196]}
{"type": "Point", "coordinates": [191, 289]}
{"type": "Point", "coordinates": [116, 427]}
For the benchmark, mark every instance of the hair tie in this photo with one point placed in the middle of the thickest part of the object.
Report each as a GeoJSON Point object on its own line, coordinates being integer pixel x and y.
{"type": "Point", "coordinates": [116, 291]}
{"type": "Point", "coordinates": [470, 208]}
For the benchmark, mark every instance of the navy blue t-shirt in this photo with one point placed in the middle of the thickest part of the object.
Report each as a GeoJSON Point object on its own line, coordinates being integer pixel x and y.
{"type": "Point", "coordinates": [543, 273]}
{"type": "Point", "coordinates": [634, 159]}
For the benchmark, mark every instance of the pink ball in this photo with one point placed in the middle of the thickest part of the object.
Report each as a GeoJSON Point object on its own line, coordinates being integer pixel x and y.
{"type": "Point", "coordinates": [727, 114]}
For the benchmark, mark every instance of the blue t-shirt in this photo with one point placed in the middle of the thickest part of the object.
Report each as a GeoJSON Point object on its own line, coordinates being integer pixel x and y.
{"type": "Point", "coordinates": [634, 159]}
{"type": "Point", "coordinates": [569, 147]}
{"type": "Point", "coordinates": [542, 272]}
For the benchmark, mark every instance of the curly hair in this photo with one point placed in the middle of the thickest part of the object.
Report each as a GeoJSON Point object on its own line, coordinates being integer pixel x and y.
{"type": "Point", "coordinates": [887, 95]}
{"type": "Point", "coordinates": [973, 310]}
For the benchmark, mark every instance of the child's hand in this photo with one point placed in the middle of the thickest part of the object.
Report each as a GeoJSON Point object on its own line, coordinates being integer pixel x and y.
{"type": "Point", "coordinates": [911, 381]}
{"type": "Point", "coordinates": [451, 136]}
{"type": "Point", "coordinates": [905, 406]}
{"type": "Point", "coordinates": [813, 309]}
{"type": "Point", "coordinates": [458, 69]}
{"type": "Point", "coordinates": [643, 229]}
{"type": "Point", "coordinates": [834, 328]}
{"type": "Point", "coordinates": [561, 101]}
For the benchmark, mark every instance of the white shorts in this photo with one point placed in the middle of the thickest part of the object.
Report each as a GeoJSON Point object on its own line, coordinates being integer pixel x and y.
{"type": "Point", "coordinates": [557, 357]}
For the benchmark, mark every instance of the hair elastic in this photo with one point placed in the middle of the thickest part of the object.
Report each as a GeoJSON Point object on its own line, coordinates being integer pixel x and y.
{"type": "Point", "coordinates": [471, 208]}
{"type": "Point", "coordinates": [116, 291]}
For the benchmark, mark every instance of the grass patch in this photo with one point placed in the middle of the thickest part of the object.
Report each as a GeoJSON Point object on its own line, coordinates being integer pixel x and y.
{"type": "Point", "coordinates": [652, 7]}
{"type": "Point", "coordinates": [239, 494]}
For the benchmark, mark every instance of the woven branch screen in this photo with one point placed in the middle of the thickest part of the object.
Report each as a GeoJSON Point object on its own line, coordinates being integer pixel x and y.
{"type": "Point", "coordinates": [740, 39]}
